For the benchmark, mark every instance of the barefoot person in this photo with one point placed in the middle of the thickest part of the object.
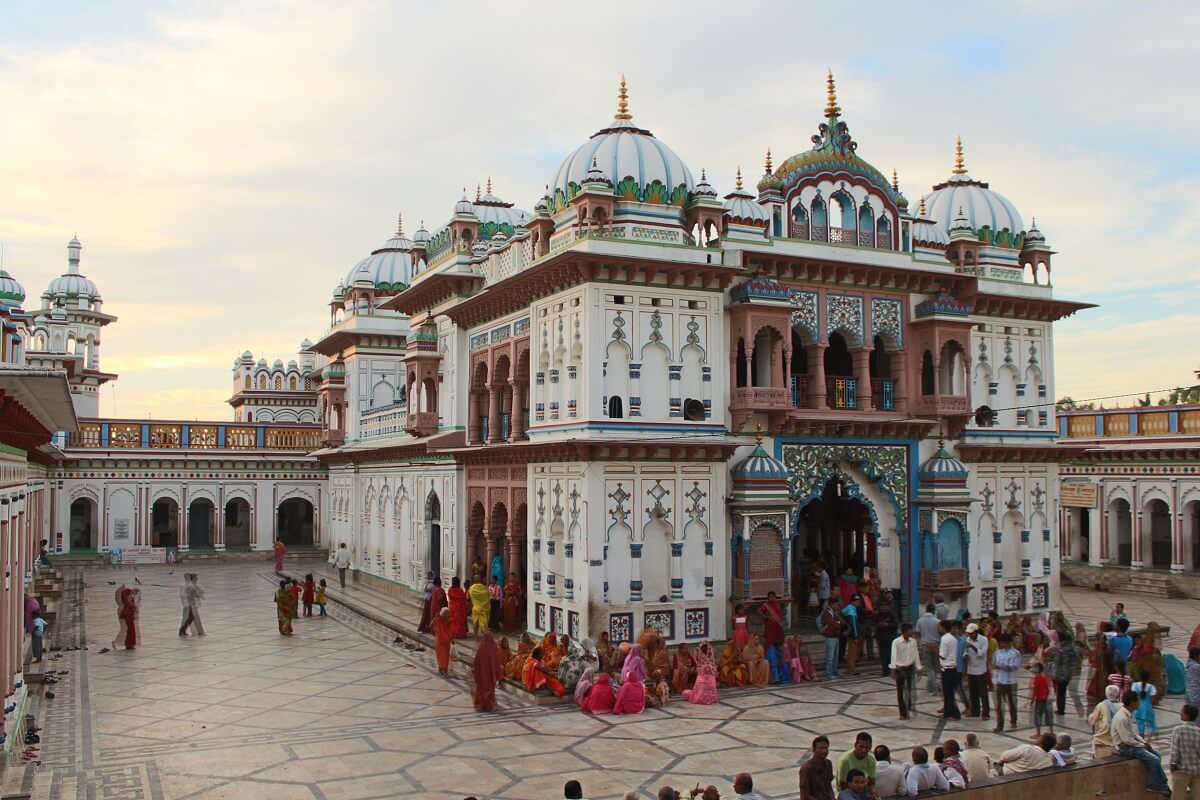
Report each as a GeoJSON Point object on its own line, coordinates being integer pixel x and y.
{"type": "Point", "coordinates": [285, 604]}
{"type": "Point", "coordinates": [190, 594]}
{"type": "Point", "coordinates": [486, 668]}
{"type": "Point", "coordinates": [442, 639]}
{"type": "Point", "coordinates": [119, 597]}
{"type": "Point", "coordinates": [279, 551]}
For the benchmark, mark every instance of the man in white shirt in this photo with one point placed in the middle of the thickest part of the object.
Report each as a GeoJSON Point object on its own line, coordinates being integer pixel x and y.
{"type": "Point", "coordinates": [1131, 745]}
{"type": "Point", "coordinates": [889, 777]}
{"type": "Point", "coordinates": [341, 560]}
{"type": "Point", "coordinates": [948, 664]}
{"type": "Point", "coordinates": [922, 775]}
{"type": "Point", "coordinates": [905, 664]}
{"type": "Point", "coordinates": [976, 654]}
{"type": "Point", "coordinates": [1028, 757]}
{"type": "Point", "coordinates": [1063, 754]}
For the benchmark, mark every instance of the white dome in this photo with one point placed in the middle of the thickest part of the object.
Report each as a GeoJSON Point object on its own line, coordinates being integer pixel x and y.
{"type": "Point", "coordinates": [389, 268]}
{"type": "Point", "coordinates": [928, 233]}
{"type": "Point", "coordinates": [71, 283]}
{"type": "Point", "coordinates": [741, 205]}
{"type": "Point", "coordinates": [623, 150]}
{"type": "Point", "coordinates": [980, 205]}
{"type": "Point", "coordinates": [12, 293]}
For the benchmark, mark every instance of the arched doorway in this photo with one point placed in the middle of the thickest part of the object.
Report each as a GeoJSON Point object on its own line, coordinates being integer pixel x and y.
{"type": "Point", "coordinates": [1158, 528]}
{"type": "Point", "coordinates": [433, 519]}
{"type": "Point", "coordinates": [237, 523]}
{"type": "Point", "coordinates": [1191, 535]}
{"type": "Point", "coordinates": [1121, 525]}
{"type": "Point", "coordinates": [164, 523]}
{"type": "Point", "coordinates": [83, 524]}
{"type": "Point", "coordinates": [836, 530]}
{"type": "Point", "coordinates": [201, 521]}
{"type": "Point", "coordinates": [294, 522]}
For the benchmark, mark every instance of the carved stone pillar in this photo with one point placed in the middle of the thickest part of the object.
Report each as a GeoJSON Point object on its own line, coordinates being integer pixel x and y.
{"type": "Point", "coordinates": [862, 375]}
{"type": "Point", "coordinates": [493, 436]}
{"type": "Point", "coordinates": [816, 368]}
{"type": "Point", "coordinates": [518, 411]}
{"type": "Point", "coordinates": [473, 434]}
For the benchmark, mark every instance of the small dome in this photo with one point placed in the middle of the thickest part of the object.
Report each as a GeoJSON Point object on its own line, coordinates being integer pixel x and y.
{"type": "Point", "coordinates": [760, 467]}
{"type": "Point", "coordinates": [72, 284]}
{"type": "Point", "coordinates": [625, 151]}
{"type": "Point", "coordinates": [421, 236]}
{"type": "Point", "coordinates": [464, 206]}
{"type": "Point", "coordinates": [704, 188]}
{"type": "Point", "coordinates": [741, 206]}
{"type": "Point", "coordinates": [247, 354]}
{"type": "Point", "coordinates": [389, 268]}
{"type": "Point", "coordinates": [292, 363]}
{"type": "Point", "coordinates": [306, 344]}
{"type": "Point", "coordinates": [262, 362]}
{"type": "Point", "coordinates": [12, 293]}
{"type": "Point", "coordinates": [278, 363]}
{"type": "Point", "coordinates": [1034, 236]}
{"type": "Point", "coordinates": [943, 468]}
{"type": "Point", "coordinates": [496, 215]}
{"type": "Point", "coordinates": [981, 206]}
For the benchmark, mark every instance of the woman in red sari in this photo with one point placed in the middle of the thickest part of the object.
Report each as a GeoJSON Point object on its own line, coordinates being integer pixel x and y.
{"type": "Point", "coordinates": [601, 698]}
{"type": "Point", "coordinates": [437, 601]}
{"type": "Point", "coordinates": [536, 675]}
{"type": "Point", "coordinates": [772, 614]}
{"type": "Point", "coordinates": [458, 609]}
{"type": "Point", "coordinates": [130, 599]}
{"type": "Point", "coordinates": [119, 598]}
{"type": "Point", "coordinates": [683, 670]}
{"type": "Point", "coordinates": [442, 640]}
{"type": "Point", "coordinates": [487, 669]}
{"type": "Point", "coordinates": [279, 551]}
{"type": "Point", "coordinates": [510, 610]}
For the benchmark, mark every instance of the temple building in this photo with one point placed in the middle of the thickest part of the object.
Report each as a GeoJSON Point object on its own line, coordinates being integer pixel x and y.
{"type": "Point", "coordinates": [644, 398]}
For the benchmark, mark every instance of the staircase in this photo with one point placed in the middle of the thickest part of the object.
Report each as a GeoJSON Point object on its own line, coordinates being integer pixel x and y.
{"type": "Point", "coordinates": [1156, 584]}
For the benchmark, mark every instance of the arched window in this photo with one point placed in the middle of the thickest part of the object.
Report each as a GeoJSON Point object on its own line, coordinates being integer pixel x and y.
{"type": "Point", "coordinates": [292, 383]}
{"type": "Point", "coordinates": [928, 376]}
{"type": "Point", "coordinates": [866, 226]}
{"type": "Point", "coordinates": [951, 545]}
{"type": "Point", "coordinates": [247, 382]}
{"type": "Point", "coordinates": [799, 223]}
{"type": "Point", "coordinates": [883, 233]}
{"type": "Point", "coordinates": [615, 408]}
{"type": "Point", "coordinates": [820, 220]}
{"type": "Point", "coordinates": [278, 383]}
{"type": "Point", "coordinates": [262, 381]}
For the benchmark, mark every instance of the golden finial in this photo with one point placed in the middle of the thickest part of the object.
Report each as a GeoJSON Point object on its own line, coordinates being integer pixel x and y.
{"type": "Point", "coordinates": [758, 434]}
{"type": "Point", "coordinates": [895, 181]}
{"type": "Point", "coordinates": [399, 224]}
{"type": "Point", "coordinates": [623, 102]}
{"type": "Point", "coordinates": [921, 210]}
{"type": "Point", "coordinates": [489, 184]}
{"type": "Point", "coordinates": [477, 193]}
{"type": "Point", "coordinates": [739, 178]}
{"type": "Point", "coordinates": [959, 168]}
{"type": "Point", "coordinates": [768, 160]}
{"type": "Point", "coordinates": [831, 105]}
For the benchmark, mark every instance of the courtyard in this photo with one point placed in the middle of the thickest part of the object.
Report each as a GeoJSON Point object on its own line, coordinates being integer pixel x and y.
{"type": "Point", "coordinates": [340, 712]}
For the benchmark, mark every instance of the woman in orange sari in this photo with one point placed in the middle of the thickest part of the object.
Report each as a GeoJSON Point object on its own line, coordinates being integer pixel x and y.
{"type": "Point", "coordinates": [505, 655]}
{"type": "Point", "coordinates": [550, 651]}
{"type": "Point", "coordinates": [285, 604]}
{"type": "Point", "coordinates": [510, 610]}
{"type": "Point", "coordinates": [731, 671]}
{"type": "Point", "coordinates": [442, 639]}
{"type": "Point", "coordinates": [756, 665]}
{"type": "Point", "coordinates": [537, 674]}
{"type": "Point", "coordinates": [279, 551]}
{"type": "Point", "coordinates": [683, 670]}
{"type": "Point", "coordinates": [516, 665]}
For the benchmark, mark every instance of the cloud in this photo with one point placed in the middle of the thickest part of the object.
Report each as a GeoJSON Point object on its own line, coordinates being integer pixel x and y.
{"type": "Point", "coordinates": [226, 164]}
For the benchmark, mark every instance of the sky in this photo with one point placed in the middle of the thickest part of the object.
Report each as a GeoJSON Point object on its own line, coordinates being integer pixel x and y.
{"type": "Point", "coordinates": [225, 164]}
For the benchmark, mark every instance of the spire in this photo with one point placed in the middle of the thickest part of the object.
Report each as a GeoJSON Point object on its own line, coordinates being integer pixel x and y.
{"type": "Point", "coordinates": [768, 162]}
{"type": "Point", "coordinates": [921, 209]}
{"type": "Point", "coordinates": [831, 104]}
{"type": "Point", "coordinates": [895, 181]}
{"type": "Point", "coordinates": [959, 167]}
{"type": "Point", "coordinates": [703, 176]}
{"type": "Point", "coordinates": [477, 193]}
{"type": "Point", "coordinates": [623, 102]}
{"type": "Point", "coordinates": [739, 178]}
{"type": "Point", "coordinates": [399, 224]}
{"type": "Point", "coordinates": [73, 248]}
{"type": "Point", "coordinates": [489, 184]}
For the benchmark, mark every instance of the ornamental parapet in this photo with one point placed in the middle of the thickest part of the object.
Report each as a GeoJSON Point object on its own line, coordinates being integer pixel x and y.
{"type": "Point", "coordinates": [126, 435]}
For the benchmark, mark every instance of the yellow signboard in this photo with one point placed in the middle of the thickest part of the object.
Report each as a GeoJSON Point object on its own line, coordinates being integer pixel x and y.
{"type": "Point", "coordinates": [1078, 495]}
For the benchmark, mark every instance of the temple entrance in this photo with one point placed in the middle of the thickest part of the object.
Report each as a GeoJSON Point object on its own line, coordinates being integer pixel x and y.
{"type": "Point", "coordinates": [294, 522]}
{"type": "Point", "coordinates": [237, 523]}
{"type": "Point", "coordinates": [836, 530]}
{"type": "Point", "coordinates": [83, 524]}
{"type": "Point", "coordinates": [201, 516]}
{"type": "Point", "coordinates": [164, 523]}
{"type": "Point", "coordinates": [433, 518]}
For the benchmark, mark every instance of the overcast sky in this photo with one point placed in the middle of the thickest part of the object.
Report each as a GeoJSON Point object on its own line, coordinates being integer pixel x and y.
{"type": "Point", "coordinates": [225, 164]}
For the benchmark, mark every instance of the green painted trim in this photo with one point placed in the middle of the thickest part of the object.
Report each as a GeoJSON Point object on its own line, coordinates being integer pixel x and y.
{"type": "Point", "coordinates": [13, 451]}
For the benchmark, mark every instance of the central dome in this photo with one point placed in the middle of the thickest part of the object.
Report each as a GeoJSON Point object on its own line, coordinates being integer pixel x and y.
{"type": "Point", "coordinates": [632, 158]}
{"type": "Point", "coordinates": [982, 207]}
{"type": "Point", "coordinates": [389, 267]}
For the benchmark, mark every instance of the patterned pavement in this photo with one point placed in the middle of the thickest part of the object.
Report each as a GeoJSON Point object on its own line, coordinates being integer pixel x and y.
{"type": "Point", "coordinates": [337, 712]}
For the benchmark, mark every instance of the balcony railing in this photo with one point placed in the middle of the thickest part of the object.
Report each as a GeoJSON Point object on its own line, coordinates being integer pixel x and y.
{"type": "Point", "coordinates": [939, 405]}
{"type": "Point", "coordinates": [944, 579]}
{"type": "Point", "coordinates": [841, 393]}
{"type": "Point", "coordinates": [800, 391]}
{"type": "Point", "coordinates": [883, 394]}
{"type": "Point", "coordinates": [817, 233]}
{"type": "Point", "coordinates": [134, 435]}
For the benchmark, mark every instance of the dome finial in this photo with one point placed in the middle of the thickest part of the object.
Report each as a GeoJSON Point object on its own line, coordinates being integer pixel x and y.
{"type": "Point", "coordinates": [476, 192]}
{"type": "Point", "coordinates": [489, 184]}
{"type": "Point", "coordinates": [399, 224]}
{"type": "Point", "coordinates": [758, 434]}
{"type": "Point", "coordinates": [895, 181]}
{"type": "Point", "coordinates": [959, 167]}
{"type": "Point", "coordinates": [921, 209]}
{"type": "Point", "coordinates": [831, 104]}
{"type": "Point", "coordinates": [739, 178]}
{"type": "Point", "coordinates": [768, 162]}
{"type": "Point", "coordinates": [703, 176]}
{"type": "Point", "coordinates": [623, 102]}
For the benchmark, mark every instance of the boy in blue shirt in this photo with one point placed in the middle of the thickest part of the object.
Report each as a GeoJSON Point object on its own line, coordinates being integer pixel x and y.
{"type": "Point", "coordinates": [38, 634]}
{"type": "Point", "coordinates": [1121, 645]}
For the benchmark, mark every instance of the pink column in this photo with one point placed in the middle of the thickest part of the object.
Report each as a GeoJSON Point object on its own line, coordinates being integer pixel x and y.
{"type": "Point", "coordinates": [518, 411]}
{"type": "Point", "coordinates": [862, 374]}
{"type": "Point", "coordinates": [9, 634]}
{"type": "Point", "coordinates": [494, 415]}
{"type": "Point", "coordinates": [473, 428]}
{"type": "Point", "coordinates": [816, 368]}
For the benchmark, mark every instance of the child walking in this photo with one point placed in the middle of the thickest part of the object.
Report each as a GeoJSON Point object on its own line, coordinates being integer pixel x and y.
{"type": "Point", "coordinates": [321, 599]}
{"type": "Point", "coordinates": [309, 595]}
{"type": "Point", "coordinates": [1039, 698]}
{"type": "Point", "coordinates": [1147, 722]}
{"type": "Point", "coordinates": [38, 633]}
{"type": "Point", "coordinates": [295, 589]}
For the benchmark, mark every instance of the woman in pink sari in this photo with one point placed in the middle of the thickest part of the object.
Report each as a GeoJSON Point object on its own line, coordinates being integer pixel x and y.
{"type": "Point", "coordinates": [631, 699]}
{"type": "Point", "coordinates": [119, 598]}
{"type": "Point", "coordinates": [741, 629]}
{"type": "Point", "coordinates": [279, 551]}
{"type": "Point", "coordinates": [129, 614]}
{"type": "Point", "coordinates": [602, 698]}
{"type": "Point", "coordinates": [802, 665]}
{"type": "Point", "coordinates": [704, 691]}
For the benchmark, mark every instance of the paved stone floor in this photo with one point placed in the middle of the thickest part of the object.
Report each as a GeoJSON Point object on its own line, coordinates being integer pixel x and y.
{"type": "Point", "coordinates": [337, 712]}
